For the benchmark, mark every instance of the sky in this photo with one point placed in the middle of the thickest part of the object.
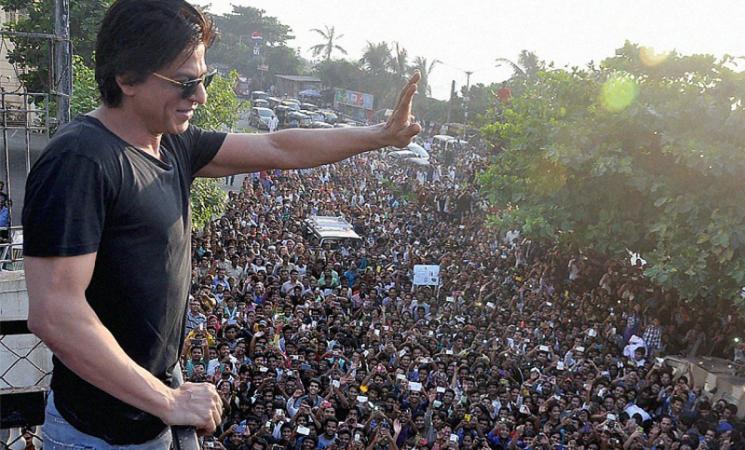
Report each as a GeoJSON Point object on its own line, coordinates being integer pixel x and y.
{"type": "Point", "coordinates": [468, 35]}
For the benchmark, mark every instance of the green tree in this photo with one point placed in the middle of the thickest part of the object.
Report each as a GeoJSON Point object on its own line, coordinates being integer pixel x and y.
{"type": "Point", "coordinates": [329, 44]}
{"type": "Point", "coordinates": [340, 73]}
{"type": "Point", "coordinates": [85, 95]}
{"type": "Point", "coordinates": [640, 154]}
{"type": "Point", "coordinates": [400, 62]}
{"type": "Point", "coordinates": [425, 68]}
{"type": "Point", "coordinates": [33, 55]}
{"type": "Point", "coordinates": [234, 49]}
{"type": "Point", "coordinates": [221, 112]}
{"type": "Point", "coordinates": [223, 108]}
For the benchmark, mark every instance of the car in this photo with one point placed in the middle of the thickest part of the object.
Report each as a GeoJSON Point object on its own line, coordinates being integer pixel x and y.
{"type": "Point", "coordinates": [314, 116]}
{"type": "Point", "coordinates": [329, 116]}
{"type": "Point", "coordinates": [291, 104]}
{"type": "Point", "coordinates": [297, 119]}
{"type": "Point", "coordinates": [255, 95]}
{"type": "Point", "coordinates": [319, 124]}
{"type": "Point", "coordinates": [413, 149]}
{"type": "Point", "coordinates": [260, 102]}
{"type": "Point", "coordinates": [308, 106]}
{"type": "Point", "coordinates": [439, 141]}
{"type": "Point", "coordinates": [259, 117]}
{"type": "Point", "coordinates": [274, 102]}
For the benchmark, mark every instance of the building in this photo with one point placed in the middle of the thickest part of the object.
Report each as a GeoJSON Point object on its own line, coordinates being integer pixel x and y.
{"type": "Point", "coordinates": [9, 82]}
{"type": "Point", "coordinates": [292, 85]}
{"type": "Point", "coordinates": [357, 105]}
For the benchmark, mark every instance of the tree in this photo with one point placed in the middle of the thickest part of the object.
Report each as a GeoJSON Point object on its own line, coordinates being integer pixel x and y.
{"type": "Point", "coordinates": [329, 43]}
{"type": "Point", "coordinates": [223, 108]}
{"type": "Point", "coordinates": [221, 112]}
{"type": "Point", "coordinates": [527, 67]}
{"type": "Point", "coordinates": [400, 62]}
{"type": "Point", "coordinates": [425, 68]}
{"type": "Point", "coordinates": [235, 48]}
{"type": "Point", "coordinates": [639, 154]}
{"type": "Point", "coordinates": [85, 95]}
{"type": "Point", "coordinates": [33, 54]}
{"type": "Point", "coordinates": [376, 58]}
{"type": "Point", "coordinates": [340, 73]}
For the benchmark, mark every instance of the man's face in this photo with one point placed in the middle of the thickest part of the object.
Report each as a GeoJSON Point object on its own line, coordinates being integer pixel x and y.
{"type": "Point", "coordinates": [666, 424]}
{"type": "Point", "coordinates": [330, 428]}
{"type": "Point", "coordinates": [196, 354]}
{"type": "Point", "coordinates": [158, 103]}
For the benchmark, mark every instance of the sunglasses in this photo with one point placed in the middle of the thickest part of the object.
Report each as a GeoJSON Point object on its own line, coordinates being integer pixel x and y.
{"type": "Point", "coordinates": [188, 88]}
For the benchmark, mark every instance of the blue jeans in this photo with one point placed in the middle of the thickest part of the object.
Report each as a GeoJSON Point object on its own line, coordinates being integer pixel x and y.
{"type": "Point", "coordinates": [58, 434]}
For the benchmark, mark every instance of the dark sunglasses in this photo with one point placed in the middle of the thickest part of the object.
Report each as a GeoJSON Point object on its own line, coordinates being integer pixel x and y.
{"type": "Point", "coordinates": [188, 88]}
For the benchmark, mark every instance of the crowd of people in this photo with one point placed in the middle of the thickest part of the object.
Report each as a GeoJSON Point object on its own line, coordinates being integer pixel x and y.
{"type": "Point", "coordinates": [332, 346]}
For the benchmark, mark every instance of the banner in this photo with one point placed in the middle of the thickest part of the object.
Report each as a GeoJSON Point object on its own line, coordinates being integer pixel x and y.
{"type": "Point", "coordinates": [426, 275]}
{"type": "Point", "coordinates": [353, 98]}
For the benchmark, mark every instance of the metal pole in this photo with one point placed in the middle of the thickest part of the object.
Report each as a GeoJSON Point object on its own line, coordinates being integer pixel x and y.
{"type": "Point", "coordinates": [466, 100]}
{"type": "Point", "coordinates": [62, 60]}
{"type": "Point", "coordinates": [452, 97]}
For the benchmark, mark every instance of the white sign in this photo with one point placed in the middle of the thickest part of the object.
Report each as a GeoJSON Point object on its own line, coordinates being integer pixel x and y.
{"type": "Point", "coordinates": [426, 275]}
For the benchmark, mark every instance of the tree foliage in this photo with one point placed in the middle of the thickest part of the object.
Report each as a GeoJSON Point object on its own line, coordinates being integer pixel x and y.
{"type": "Point", "coordinates": [234, 48]}
{"type": "Point", "coordinates": [643, 153]}
{"type": "Point", "coordinates": [85, 91]}
{"type": "Point", "coordinates": [221, 112]}
{"type": "Point", "coordinates": [329, 44]}
{"type": "Point", "coordinates": [34, 54]}
{"type": "Point", "coordinates": [223, 108]}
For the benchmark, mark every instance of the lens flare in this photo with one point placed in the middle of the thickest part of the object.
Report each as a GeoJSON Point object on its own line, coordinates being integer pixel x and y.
{"type": "Point", "coordinates": [618, 92]}
{"type": "Point", "coordinates": [649, 57]}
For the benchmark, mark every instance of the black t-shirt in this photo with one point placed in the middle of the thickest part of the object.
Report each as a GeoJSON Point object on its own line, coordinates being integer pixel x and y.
{"type": "Point", "coordinates": [90, 191]}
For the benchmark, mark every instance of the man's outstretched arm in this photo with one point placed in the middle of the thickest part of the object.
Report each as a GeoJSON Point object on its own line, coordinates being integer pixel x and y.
{"type": "Point", "coordinates": [294, 149]}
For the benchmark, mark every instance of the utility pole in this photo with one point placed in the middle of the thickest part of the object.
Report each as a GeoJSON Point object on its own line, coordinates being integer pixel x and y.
{"type": "Point", "coordinates": [466, 101]}
{"type": "Point", "coordinates": [62, 60]}
{"type": "Point", "coordinates": [452, 97]}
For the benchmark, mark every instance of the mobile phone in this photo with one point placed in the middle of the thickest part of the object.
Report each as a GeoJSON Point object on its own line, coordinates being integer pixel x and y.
{"type": "Point", "coordinates": [335, 383]}
{"type": "Point", "coordinates": [453, 438]}
{"type": "Point", "coordinates": [303, 430]}
{"type": "Point", "coordinates": [611, 417]}
{"type": "Point", "coordinates": [440, 390]}
{"type": "Point", "coordinates": [467, 417]}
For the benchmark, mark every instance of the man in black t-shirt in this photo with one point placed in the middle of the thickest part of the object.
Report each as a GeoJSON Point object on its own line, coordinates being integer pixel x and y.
{"type": "Point", "coordinates": [107, 225]}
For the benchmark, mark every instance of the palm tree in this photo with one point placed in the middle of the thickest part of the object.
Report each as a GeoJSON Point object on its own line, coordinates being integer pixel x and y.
{"type": "Point", "coordinates": [400, 62]}
{"type": "Point", "coordinates": [376, 57]}
{"type": "Point", "coordinates": [425, 70]}
{"type": "Point", "coordinates": [527, 67]}
{"type": "Point", "coordinates": [330, 43]}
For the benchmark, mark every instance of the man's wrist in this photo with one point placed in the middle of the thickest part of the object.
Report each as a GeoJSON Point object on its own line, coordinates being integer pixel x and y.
{"type": "Point", "coordinates": [167, 403]}
{"type": "Point", "coordinates": [378, 136]}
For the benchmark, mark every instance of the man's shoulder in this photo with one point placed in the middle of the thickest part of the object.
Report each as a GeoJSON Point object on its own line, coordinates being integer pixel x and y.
{"type": "Point", "coordinates": [85, 137]}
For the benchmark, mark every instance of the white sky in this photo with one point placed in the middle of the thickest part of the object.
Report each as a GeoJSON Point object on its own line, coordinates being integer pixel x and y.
{"type": "Point", "coordinates": [471, 34]}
